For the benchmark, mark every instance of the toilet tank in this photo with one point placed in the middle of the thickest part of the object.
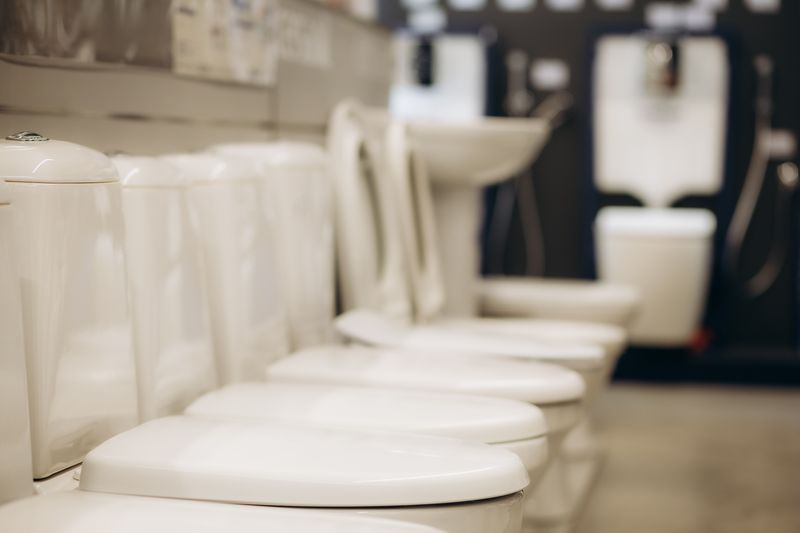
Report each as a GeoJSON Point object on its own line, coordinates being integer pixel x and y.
{"type": "Point", "coordinates": [69, 242]}
{"type": "Point", "coordinates": [174, 358]}
{"type": "Point", "coordinates": [296, 194]}
{"type": "Point", "coordinates": [247, 310]}
{"type": "Point", "coordinates": [666, 254]}
{"type": "Point", "coordinates": [16, 474]}
{"type": "Point", "coordinates": [660, 114]}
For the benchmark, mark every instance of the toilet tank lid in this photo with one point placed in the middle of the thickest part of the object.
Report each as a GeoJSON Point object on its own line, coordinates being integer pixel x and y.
{"type": "Point", "coordinates": [147, 172]}
{"type": "Point", "coordinates": [656, 222]}
{"type": "Point", "coordinates": [278, 154]}
{"type": "Point", "coordinates": [270, 463]}
{"type": "Point", "coordinates": [28, 157]}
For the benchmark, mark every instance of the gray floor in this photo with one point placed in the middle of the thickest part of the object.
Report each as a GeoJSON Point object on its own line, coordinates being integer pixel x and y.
{"type": "Point", "coordinates": [697, 459]}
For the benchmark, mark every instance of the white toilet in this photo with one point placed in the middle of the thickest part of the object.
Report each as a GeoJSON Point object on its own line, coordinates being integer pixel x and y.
{"type": "Point", "coordinates": [67, 194]}
{"type": "Point", "coordinates": [53, 186]}
{"type": "Point", "coordinates": [169, 308]}
{"type": "Point", "coordinates": [659, 142]}
{"type": "Point", "coordinates": [379, 270]}
{"type": "Point", "coordinates": [557, 391]}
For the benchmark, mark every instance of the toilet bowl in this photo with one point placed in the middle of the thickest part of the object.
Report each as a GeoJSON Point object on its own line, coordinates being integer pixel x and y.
{"type": "Point", "coordinates": [228, 461]}
{"type": "Point", "coordinates": [659, 144]}
{"type": "Point", "coordinates": [667, 255]}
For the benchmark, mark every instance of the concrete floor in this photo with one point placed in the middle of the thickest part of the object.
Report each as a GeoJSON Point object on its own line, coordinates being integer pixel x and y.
{"type": "Point", "coordinates": [697, 459]}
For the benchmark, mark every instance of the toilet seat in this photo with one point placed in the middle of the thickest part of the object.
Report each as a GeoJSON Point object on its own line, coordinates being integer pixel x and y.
{"type": "Point", "coordinates": [72, 511]}
{"type": "Point", "coordinates": [482, 419]}
{"type": "Point", "coordinates": [510, 424]}
{"type": "Point", "coordinates": [472, 336]}
{"type": "Point", "coordinates": [529, 381]}
{"type": "Point", "coordinates": [297, 466]}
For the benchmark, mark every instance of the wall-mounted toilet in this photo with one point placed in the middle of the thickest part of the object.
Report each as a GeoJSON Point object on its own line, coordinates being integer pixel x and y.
{"type": "Point", "coordinates": [660, 106]}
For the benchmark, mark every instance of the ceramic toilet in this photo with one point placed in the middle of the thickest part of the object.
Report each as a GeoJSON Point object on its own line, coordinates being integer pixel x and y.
{"type": "Point", "coordinates": [373, 273]}
{"type": "Point", "coordinates": [416, 478]}
{"type": "Point", "coordinates": [67, 511]}
{"type": "Point", "coordinates": [659, 141]}
{"type": "Point", "coordinates": [558, 391]}
{"type": "Point", "coordinates": [168, 306]}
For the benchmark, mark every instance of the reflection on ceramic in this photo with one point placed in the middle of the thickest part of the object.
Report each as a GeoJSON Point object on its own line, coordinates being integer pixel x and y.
{"type": "Point", "coordinates": [248, 315]}
{"type": "Point", "coordinates": [77, 330]}
{"type": "Point", "coordinates": [296, 197]}
{"type": "Point", "coordinates": [15, 444]}
{"type": "Point", "coordinates": [175, 362]}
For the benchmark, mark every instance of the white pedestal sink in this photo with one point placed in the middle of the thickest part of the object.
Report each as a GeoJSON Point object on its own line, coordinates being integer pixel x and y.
{"type": "Point", "coordinates": [462, 158]}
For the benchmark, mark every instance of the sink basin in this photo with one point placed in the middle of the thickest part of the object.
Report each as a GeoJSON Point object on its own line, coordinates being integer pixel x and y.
{"type": "Point", "coordinates": [480, 152]}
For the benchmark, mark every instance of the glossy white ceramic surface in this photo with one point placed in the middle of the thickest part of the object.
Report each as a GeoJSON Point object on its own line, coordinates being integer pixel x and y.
{"type": "Point", "coordinates": [54, 161]}
{"type": "Point", "coordinates": [296, 194]}
{"type": "Point", "coordinates": [408, 178]}
{"type": "Point", "coordinates": [530, 381]}
{"type": "Point", "coordinates": [377, 329]}
{"type": "Point", "coordinates": [16, 472]}
{"type": "Point", "coordinates": [369, 251]}
{"type": "Point", "coordinates": [69, 241]}
{"type": "Point", "coordinates": [599, 302]}
{"type": "Point", "coordinates": [175, 360]}
{"type": "Point", "coordinates": [488, 420]}
{"type": "Point", "coordinates": [272, 463]}
{"type": "Point", "coordinates": [85, 512]}
{"type": "Point", "coordinates": [248, 317]}
{"type": "Point", "coordinates": [666, 254]}
{"type": "Point", "coordinates": [659, 147]}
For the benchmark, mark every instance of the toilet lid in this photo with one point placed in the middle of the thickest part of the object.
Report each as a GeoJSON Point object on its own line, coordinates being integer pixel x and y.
{"type": "Point", "coordinates": [561, 333]}
{"type": "Point", "coordinates": [86, 512]}
{"type": "Point", "coordinates": [529, 381]}
{"type": "Point", "coordinates": [413, 199]}
{"type": "Point", "coordinates": [478, 418]}
{"type": "Point", "coordinates": [370, 259]}
{"type": "Point", "coordinates": [271, 463]}
{"type": "Point", "coordinates": [477, 338]}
